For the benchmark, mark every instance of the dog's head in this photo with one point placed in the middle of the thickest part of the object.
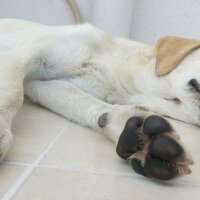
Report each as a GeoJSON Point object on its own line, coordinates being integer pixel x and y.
{"type": "Point", "coordinates": [179, 59]}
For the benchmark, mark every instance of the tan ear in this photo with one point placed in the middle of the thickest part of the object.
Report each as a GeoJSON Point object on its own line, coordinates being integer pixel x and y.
{"type": "Point", "coordinates": [170, 51]}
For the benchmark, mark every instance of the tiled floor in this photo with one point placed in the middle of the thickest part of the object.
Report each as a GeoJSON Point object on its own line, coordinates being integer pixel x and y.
{"type": "Point", "coordinates": [53, 159]}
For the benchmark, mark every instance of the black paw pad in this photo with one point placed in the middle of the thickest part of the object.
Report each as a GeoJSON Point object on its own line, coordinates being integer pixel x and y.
{"type": "Point", "coordinates": [159, 169]}
{"type": "Point", "coordinates": [137, 166]}
{"type": "Point", "coordinates": [165, 148]}
{"type": "Point", "coordinates": [154, 125]}
{"type": "Point", "coordinates": [129, 140]}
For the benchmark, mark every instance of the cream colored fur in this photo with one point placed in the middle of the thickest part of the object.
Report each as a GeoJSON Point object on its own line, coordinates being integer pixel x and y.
{"type": "Point", "coordinates": [81, 73]}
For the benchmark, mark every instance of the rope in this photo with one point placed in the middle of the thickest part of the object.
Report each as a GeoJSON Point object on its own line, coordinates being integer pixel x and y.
{"type": "Point", "coordinates": [75, 11]}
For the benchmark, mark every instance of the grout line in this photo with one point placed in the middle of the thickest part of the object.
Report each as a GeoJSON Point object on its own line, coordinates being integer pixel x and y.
{"type": "Point", "coordinates": [87, 170]}
{"type": "Point", "coordinates": [111, 173]}
{"type": "Point", "coordinates": [103, 172]}
{"type": "Point", "coordinates": [78, 169]}
{"type": "Point", "coordinates": [18, 163]}
{"type": "Point", "coordinates": [24, 176]}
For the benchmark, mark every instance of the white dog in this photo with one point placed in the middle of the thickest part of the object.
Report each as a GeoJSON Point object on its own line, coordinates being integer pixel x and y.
{"type": "Point", "coordinates": [109, 84]}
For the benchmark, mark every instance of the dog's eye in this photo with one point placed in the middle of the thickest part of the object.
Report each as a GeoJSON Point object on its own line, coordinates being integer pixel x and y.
{"type": "Point", "coordinates": [177, 100]}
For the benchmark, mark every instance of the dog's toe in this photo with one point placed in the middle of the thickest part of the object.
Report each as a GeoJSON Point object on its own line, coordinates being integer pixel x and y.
{"type": "Point", "coordinates": [165, 148]}
{"type": "Point", "coordinates": [130, 139]}
{"type": "Point", "coordinates": [138, 167]}
{"type": "Point", "coordinates": [154, 125]}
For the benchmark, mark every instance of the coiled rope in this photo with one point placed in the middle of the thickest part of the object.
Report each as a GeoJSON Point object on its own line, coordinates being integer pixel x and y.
{"type": "Point", "coordinates": [75, 11]}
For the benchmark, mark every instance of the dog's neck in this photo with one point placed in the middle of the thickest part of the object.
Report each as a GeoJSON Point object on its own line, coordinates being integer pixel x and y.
{"type": "Point", "coordinates": [138, 72]}
{"type": "Point", "coordinates": [145, 81]}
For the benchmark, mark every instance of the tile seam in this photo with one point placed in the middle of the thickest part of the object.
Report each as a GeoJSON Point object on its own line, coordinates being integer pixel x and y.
{"type": "Point", "coordinates": [27, 172]}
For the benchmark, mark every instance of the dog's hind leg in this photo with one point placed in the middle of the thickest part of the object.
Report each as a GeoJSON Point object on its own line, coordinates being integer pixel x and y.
{"type": "Point", "coordinates": [147, 140]}
{"type": "Point", "coordinates": [11, 96]}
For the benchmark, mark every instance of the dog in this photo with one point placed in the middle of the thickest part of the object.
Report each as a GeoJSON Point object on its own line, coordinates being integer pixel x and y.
{"type": "Point", "coordinates": [115, 86]}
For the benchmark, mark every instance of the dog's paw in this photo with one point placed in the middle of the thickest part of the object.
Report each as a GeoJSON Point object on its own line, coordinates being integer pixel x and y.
{"type": "Point", "coordinates": [6, 140]}
{"type": "Point", "coordinates": [153, 148]}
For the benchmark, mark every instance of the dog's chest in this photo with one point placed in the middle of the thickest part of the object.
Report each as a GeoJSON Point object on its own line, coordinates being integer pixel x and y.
{"type": "Point", "coordinates": [92, 78]}
{"type": "Point", "coordinates": [100, 79]}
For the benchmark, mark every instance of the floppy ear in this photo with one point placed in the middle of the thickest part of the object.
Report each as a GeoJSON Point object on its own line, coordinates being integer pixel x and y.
{"type": "Point", "coordinates": [170, 51]}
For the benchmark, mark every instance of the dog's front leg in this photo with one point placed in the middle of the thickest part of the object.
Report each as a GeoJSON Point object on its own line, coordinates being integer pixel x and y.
{"type": "Point", "coordinates": [147, 140]}
{"type": "Point", "coordinates": [11, 96]}
{"type": "Point", "coordinates": [67, 100]}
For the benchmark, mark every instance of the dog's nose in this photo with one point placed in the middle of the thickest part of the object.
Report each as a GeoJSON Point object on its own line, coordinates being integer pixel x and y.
{"type": "Point", "coordinates": [194, 84]}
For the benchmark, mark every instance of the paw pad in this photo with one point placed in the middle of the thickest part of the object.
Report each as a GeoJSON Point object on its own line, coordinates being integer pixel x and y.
{"type": "Point", "coordinates": [154, 140]}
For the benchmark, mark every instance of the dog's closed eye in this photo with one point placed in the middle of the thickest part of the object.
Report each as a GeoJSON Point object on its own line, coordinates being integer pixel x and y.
{"type": "Point", "coordinates": [175, 100]}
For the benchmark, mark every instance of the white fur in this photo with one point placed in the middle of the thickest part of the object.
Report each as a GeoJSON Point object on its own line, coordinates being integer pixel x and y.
{"type": "Point", "coordinates": [81, 73]}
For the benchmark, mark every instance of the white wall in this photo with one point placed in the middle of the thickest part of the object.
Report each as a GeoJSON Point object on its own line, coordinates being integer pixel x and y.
{"type": "Point", "coordinates": [155, 18]}
{"type": "Point", "coordinates": [52, 12]}
{"type": "Point", "coordinates": [142, 20]}
{"type": "Point", "coordinates": [113, 16]}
